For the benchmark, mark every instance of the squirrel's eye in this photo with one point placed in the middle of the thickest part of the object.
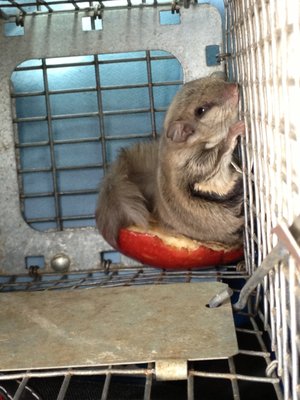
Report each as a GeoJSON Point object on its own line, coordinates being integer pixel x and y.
{"type": "Point", "coordinates": [199, 111]}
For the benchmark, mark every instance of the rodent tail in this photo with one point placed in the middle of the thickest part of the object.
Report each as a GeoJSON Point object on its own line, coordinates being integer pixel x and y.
{"type": "Point", "coordinates": [120, 204]}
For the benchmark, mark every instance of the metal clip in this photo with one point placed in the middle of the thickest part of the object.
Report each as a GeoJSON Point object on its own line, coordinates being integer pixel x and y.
{"type": "Point", "coordinates": [241, 267]}
{"type": "Point", "coordinates": [222, 57]}
{"type": "Point", "coordinates": [105, 264]}
{"type": "Point", "coordinates": [98, 11]}
{"type": "Point", "coordinates": [271, 369]}
{"type": "Point", "coordinates": [33, 271]}
{"type": "Point", "coordinates": [20, 19]}
{"type": "Point", "coordinates": [175, 8]}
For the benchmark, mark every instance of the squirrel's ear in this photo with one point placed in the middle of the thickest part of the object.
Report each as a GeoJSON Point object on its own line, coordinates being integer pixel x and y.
{"type": "Point", "coordinates": [179, 131]}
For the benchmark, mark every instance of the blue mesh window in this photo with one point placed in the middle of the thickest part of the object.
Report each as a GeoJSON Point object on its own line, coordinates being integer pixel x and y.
{"type": "Point", "coordinates": [72, 116]}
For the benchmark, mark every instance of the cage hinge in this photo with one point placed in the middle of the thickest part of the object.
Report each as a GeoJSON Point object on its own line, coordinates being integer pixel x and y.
{"type": "Point", "coordinates": [171, 370]}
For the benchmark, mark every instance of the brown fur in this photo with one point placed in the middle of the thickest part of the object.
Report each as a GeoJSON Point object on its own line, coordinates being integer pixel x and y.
{"type": "Point", "coordinates": [185, 181]}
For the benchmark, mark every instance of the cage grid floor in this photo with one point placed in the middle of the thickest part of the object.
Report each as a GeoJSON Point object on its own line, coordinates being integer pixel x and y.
{"type": "Point", "coordinates": [248, 375]}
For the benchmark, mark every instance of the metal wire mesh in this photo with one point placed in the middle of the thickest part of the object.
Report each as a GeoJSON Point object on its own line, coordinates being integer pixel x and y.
{"type": "Point", "coordinates": [75, 129]}
{"type": "Point", "coordinates": [262, 37]}
{"type": "Point", "coordinates": [113, 275]}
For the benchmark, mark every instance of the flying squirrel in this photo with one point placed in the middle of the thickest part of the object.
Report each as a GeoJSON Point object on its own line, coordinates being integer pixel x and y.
{"type": "Point", "coordinates": [184, 181]}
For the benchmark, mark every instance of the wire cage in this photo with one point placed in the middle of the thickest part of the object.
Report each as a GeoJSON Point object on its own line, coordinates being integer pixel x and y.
{"type": "Point", "coordinates": [66, 109]}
